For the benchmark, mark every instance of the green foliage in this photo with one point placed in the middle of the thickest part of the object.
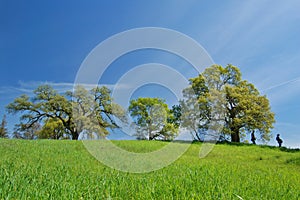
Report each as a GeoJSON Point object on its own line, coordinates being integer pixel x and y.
{"type": "Point", "coordinates": [152, 119]}
{"type": "Point", "coordinates": [247, 109]}
{"type": "Point", "coordinates": [25, 131]}
{"type": "Point", "coordinates": [69, 114]}
{"type": "Point", "coordinates": [48, 169]}
{"type": "Point", "coordinates": [222, 90]}
{"type": "Point", "coordinates": [53, 128]}
{"type": "Point", "coordinates": [195, 110]}
{"type": "Point", "coordinates": [175, 117]}
{"type": "Point", "coordinates": [3, 128]}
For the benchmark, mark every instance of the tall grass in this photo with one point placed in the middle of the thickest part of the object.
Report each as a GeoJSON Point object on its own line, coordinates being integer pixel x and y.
{"type": "Point", "coordinates": [45, 169]}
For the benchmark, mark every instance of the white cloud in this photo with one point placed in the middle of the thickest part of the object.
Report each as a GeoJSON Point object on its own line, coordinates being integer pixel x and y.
{"type": "Point", "coordinates": [288, 82]}
{"type": "Point", "coordinates": [29, 87]}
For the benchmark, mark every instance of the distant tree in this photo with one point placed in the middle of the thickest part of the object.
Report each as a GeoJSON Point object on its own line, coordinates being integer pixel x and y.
{"type": "Point", "coordinates": [152, 118]}
{"type": "Point", "coordinates": [245, 110]}
{"type": "Point", "coordinates": [24, 131]}
{"type": "Point", "coordinates": [45, 104]}
{"type": "Point", "coordinates": [94, 111]}
{"type": "Point", "coordinates": [175, 117]}
{"type": "Point", "coordinates": [81, 111]}
{"type": "Point", "coordinates": [3, 128]}
{"type": "Point", "coordinates": [53, 128]}
{"type": "Point", "coordinates": [195, 110]}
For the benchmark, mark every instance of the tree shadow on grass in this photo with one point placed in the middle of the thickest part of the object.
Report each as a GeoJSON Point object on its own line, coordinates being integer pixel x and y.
{"type": "Point", "coordinates": [235, 143]}
{"type": "Point", "coordinates": [285, 149]}
{"type": "Point", "coordinates": [295, 161]}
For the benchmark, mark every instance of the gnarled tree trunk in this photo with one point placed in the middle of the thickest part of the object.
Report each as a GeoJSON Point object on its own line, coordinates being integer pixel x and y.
{"type": "Point", "coordinates": [235, 135]}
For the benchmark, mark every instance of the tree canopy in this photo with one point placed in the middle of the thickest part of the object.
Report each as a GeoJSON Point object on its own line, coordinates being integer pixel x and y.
{"type": "Point", "coordinates": [53, 128]}
{"type": "Point", "coordinates": [217, 100]}
{"type": "Point", "coordinates": [245, 110]}
{"type": "Point", "coordinates": [68, 114]}
{"type": "Point", "coordinates": [3, 128]}
{"type": "Point", "coordinates": [23, 131]}
{"type": "Point", "coordinates": [152, 119]}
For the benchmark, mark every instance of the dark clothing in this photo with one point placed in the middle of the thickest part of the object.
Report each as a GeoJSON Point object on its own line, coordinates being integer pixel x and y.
{"type": "Point", "coordinates": [253, 138]}
{"type": "Point", "coordinates": [279, 140]}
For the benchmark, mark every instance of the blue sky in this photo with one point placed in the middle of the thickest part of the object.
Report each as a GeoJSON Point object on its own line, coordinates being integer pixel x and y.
{"type": "Point", "coordinates": [46, 41]}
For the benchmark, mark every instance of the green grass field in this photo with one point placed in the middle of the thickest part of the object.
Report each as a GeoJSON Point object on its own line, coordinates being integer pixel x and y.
{"type": "Point", "coordinates": [46, 169]}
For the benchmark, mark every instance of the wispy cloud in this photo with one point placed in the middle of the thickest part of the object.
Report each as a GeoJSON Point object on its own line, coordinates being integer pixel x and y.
{"type": "Point", "coordinates": [289, 82]}
{"type": "Point", "coordinates": [249, 20]}
{"type": "Point", "coordinates": [284, 94]}
{"type": "Point", "coordinates": [61, 87]}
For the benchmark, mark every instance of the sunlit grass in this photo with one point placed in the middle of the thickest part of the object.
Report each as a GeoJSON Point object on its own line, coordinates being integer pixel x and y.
{"type": "Point", "coordinates": [65, 170]}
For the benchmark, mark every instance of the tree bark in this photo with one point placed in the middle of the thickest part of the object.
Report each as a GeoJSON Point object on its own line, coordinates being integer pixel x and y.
{"type": "Point", "coordinates": [235, 135]}
{"type": "Point", "coordinates": [198, 137]}
{"type": "Point", "coordinates": [75, 135]}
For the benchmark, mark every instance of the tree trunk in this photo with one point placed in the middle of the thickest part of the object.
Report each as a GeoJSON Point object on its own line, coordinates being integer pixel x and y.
{"type": "Point", "coordinates": [75, 135]}
{"type": "Point", "coordinates": [235, 135]}
{"type": "Point", "coordinates": [152, 136]}
{"type": "Point", "coordinates": [198, 137]}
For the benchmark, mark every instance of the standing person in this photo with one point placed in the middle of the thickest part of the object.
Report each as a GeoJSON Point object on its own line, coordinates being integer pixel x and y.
{"type": "Point", "coordinates": [279, 140]}
{"type": "Point", "coordinates": [253, 138]}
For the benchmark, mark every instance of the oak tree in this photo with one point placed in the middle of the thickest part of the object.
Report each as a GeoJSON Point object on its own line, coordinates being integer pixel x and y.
{"type": "Point", "coordinates": [79, 111]}
{"type": "Point", "coordinates": [152, 119]}
{"type": "Point", "coordinates": [242, 107]}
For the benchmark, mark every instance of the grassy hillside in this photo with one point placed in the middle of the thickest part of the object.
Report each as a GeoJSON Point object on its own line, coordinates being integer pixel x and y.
{"type": "Point", "coordinates": [65, 170]}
